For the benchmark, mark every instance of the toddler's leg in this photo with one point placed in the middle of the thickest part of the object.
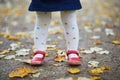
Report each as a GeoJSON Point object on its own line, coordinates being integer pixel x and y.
{"type": "Point", "coordinates": [40, 36]}
{"type": "Point", "coordinates": [41, 30]}
{"type": "Point", "coordinates": [72, 36]}
{"type": "Point", "coordinates": [71, 29]}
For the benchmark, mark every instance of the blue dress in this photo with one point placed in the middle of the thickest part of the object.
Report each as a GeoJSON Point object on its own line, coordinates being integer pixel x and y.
{"type": "Point", "coordinates": [54, 5]}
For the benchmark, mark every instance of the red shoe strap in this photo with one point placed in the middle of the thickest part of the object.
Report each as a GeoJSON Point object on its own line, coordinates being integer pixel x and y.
{"type": "Point", "coordinates": [72, 52]}
{"type": "Point", "coordinates": [39, 52]}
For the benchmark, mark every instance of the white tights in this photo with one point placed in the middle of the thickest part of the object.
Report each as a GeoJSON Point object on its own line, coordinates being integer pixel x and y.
{"type": "Point", "coordinates": [69, 21]}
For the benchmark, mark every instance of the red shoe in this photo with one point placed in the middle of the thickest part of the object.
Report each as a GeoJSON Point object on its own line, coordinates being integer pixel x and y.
{"type": "Point", "coordinates": [37, 60]}
{"type": "Point", "coordinates": [73, 61]}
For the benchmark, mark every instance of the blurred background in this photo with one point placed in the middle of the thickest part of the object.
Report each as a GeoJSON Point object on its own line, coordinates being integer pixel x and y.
{"type": "Point", "coordinates": [14, 13]}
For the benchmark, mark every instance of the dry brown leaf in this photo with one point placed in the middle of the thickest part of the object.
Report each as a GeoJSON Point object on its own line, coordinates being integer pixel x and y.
{"type": "Point", "coordinates": [106, 68]}
{"type": "Point", "coordinates": [98, 71]}
{"type": "Point", "coordinates": [116, 42]}
{"type": "Point", "coordinates": [97, 43]}
{"type": "Point", "coordinates": [73, 70]}
{"type": "Point", "coordinates": [59, 58]}
{"type": "Point", "coordinates": [21, 72]}
{"type": "Point", "coordinates": [110, 26]}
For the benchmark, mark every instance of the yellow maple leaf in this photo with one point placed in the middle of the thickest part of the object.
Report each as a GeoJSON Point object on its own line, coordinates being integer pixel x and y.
{"type": "Point", "coordinates": [97, 21]}
{"type": "Point", "coordinates": [73, 70]}
{"type": "Point", "coordinates": [59, 58]}
{"type": "Point", "coordinates": [21, 72]}
{"type": "Point", "coordinates": [5, 51]}
{"type": "Point", "coordinates": [15, 38]}
{"type": "Point", "coordinates": [95, 78]}
{"type": "Point", "coordinates": [116, 42]}
{"type": "Point", "coordinates": [98, 71]}
{"type": "Point", "coordinates": [47, 54]}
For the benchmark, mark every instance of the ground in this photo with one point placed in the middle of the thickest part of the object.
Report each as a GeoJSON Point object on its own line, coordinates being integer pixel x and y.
{"type": "Point", "coordinates": [98, 15]}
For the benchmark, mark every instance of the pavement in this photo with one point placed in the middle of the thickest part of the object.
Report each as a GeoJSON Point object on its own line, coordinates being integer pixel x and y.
{"type": "Point", "coordinates": [93, 20]}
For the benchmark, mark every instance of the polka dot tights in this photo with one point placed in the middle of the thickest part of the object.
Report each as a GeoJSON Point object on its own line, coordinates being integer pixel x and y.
{"type": "Point", "coordinates": [70, 29]}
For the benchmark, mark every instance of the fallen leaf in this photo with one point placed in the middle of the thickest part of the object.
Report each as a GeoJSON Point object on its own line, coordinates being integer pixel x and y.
{"type": "Point", "coordinates": [87, 24]}
{"type": "Point", "coordinates": [59, 58]}
{"type": "Point", "coordinates": [1, 56]}
{"type": "Point", "coordinates": [70, 78]}
{"type": "Point", "coordinates": [47, 54]}
{"type": "Point", "coordinates": [97, 21]}
{"type": "Point", "coordinates": [1, 42]}
{"type": "Point", "coordinates": [96, 49]}
{"type": "Point", "coordinates": [117, 42]}
{"type": "Point", "coordinates": [18, 12]}
{"type": "Point", "coordinates": [88, 29]}
{"type": "Point", "coordinates": [57, 65]}
{"type": "Point", "coordinates": [55, 22]}
{"type": "Point", "coordinates": [109, 32]}
{"type": "Point", "coordinates": [98, 71]}
{"type": "Point", "coordinates": [14, 46]}
{"type": "Point", "coordinates": [24, 61]}
{"type": "Point", "coordinates": [82, 49]}
{"type": "Point", "coordinates": [22, 52]}
{"type": "Point", "coordinates": [10, 57]}
{"type": "Point", "coordinates": [106, 68]}
{"type": "Point", "coordinates": [51, 47]}
{"type": "Point", "coordinates": [15, 38]}
{"type": "Point", "coordinates": [93, 63]}
{"type": "Point", "coordinates": [56, 43]}
{"type": "Point", "coordinates": [95, 37]}
{"type": "Point", "coordinates": [110, 26]}
{"type": "Point", "coordinates": [61, 52]}
{"type": "Point", "coordinates": [103, 52]}
{"type": "Point", "coordinates": [61, 79]}
{"type": "Point", "coordinates": [83, 78]}
{"type": "Point", "coordinates": [25, 35]}
{"type": "Point", "coordinates": [87, 51]}
{"type": "Point", "coordinates": [4, 51]}
{"type": "Point", "coordinates": [55, 30]}
{"type": "Point", "coordinates": [73, 70]}
{"type": "Point", "coordinates": [97, 43]}
{"type": "Point", "coordinates": [74, 78]}
{"type": "Point", "coordinates": [36, 75]}
{"type": "Point", "coordinates": [97, 29]}
{"type": "Point", "coordinates": [21, 72]}
{"type": "Point", "coordinates": [95, 78]}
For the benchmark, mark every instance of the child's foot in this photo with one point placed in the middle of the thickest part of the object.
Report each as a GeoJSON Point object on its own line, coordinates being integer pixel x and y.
{"type": "Point", "coordinates": [73, 57]}
{"type": "Point", "coordinates": [38, 58]}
